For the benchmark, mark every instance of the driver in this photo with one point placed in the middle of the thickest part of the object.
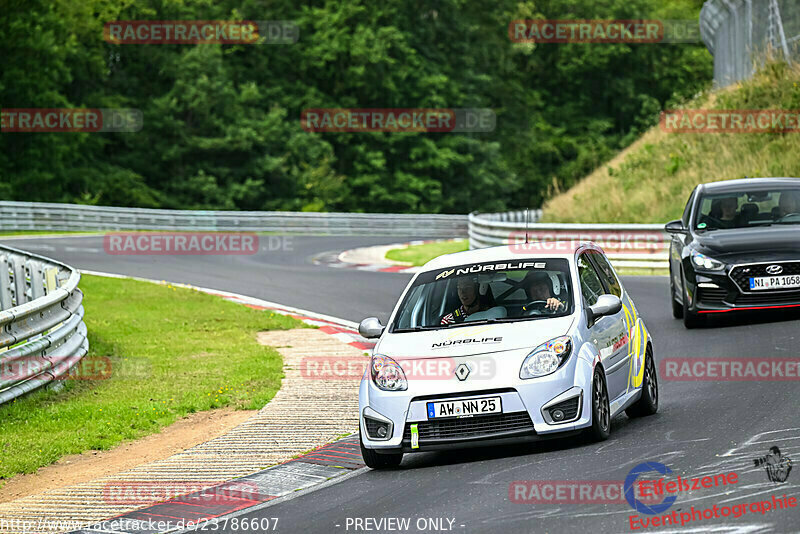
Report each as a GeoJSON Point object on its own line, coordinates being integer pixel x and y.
{"type": "Point", "coordinates": [539, 287]}
{"type": "Point", "coordinates": [723, 214]}
{"type": "Point", "coordinates": [472, 300]}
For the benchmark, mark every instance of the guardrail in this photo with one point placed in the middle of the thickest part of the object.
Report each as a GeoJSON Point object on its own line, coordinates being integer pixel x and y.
{"type": "Point", "coordinates": [639, 246]}
{"type": "Point", "coordinates": [42, 334]}
{"type": "Point", "coordinates": [21, 216]}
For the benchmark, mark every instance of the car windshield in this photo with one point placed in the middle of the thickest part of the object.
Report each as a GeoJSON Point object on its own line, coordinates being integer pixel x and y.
{"type": "Point", "coordinates": [745, 209]}
{"type": "Point", "coordinates": [486, 292]}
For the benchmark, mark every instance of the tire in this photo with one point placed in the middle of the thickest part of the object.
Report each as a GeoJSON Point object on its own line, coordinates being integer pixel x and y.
{"type": "Point", "coordinates": [601, 409]}
{"type": "Point", "coordinates": [375, 460]}
{"type": "Point", "coordinates": [648, 402]}
{"type": "Point", "coordinates": [690, 318]}
{"type": "Point", "coordinates": [677, 307]}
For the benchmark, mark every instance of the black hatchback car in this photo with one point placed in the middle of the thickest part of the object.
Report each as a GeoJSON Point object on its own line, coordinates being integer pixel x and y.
{"type": "Point", "coordinates": [737, 247]}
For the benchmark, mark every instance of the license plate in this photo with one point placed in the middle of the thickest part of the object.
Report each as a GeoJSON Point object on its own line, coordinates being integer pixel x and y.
{"type": "Point", "coordinates": [774, 282]}
{"type": "Point", "coordinates": [464, 408]}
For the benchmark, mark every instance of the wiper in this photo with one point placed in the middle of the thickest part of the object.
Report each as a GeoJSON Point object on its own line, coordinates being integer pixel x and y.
{"type": "Point", "coordinates": [419, 328]}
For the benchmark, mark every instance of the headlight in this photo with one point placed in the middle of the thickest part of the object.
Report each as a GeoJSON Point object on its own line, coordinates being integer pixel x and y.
{"type": "Point", "coordinates": [704, 262]}
{"type": "Point", "coordinates": [387, 374]}
{"type": "Point", "coordinates": [546, 358]}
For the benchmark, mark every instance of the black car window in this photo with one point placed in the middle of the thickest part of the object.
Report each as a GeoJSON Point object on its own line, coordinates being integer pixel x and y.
{"type": "Point", "coordinates": [607, 276]}
{"type": "Point", "coordinates": [688, 209]}
{"type": "Point", "coordinates": [591, 287]}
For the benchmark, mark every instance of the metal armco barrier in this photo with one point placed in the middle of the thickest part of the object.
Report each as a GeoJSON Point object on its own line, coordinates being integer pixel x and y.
{"type": "Point", "coordinates": [643, 246]}
{"type": "Point", "coordinates": [42, 334]}
{"type": "Point", "coordinates": [74, 217]}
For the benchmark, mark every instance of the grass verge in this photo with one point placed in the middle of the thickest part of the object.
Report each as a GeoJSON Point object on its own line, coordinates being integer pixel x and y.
{"type": "Point", "coordinates": [172, 351]}
{"type": "Point", "coordinates": [421, 254]}
{"type": "Point", "coordinates": [651, 180]}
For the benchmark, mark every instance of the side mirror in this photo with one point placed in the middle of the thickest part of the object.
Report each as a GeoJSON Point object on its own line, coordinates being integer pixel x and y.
{"type": "Point", "coordinates": [676, 227]}
{"type": "Point", "coordinates": [605, 305]}
{"type": "Point", "coordinates": [370, 328]}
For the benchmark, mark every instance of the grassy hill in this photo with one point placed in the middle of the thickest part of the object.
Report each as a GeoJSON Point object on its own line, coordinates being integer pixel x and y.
{"type": "Point", "coordinates": [650, 181]}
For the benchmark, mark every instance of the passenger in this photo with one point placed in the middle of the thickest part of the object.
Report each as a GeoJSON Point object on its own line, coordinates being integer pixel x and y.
{"type": "Point", "coordinates": [474, 298]}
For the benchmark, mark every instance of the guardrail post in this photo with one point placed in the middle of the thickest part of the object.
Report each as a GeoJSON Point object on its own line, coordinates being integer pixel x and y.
{"type": "Point", "coordinates": [5, 283]}
{"type": "Point", "coordinates": [37, 279]}
{"type": "Point", "coordinates": [18, 270]}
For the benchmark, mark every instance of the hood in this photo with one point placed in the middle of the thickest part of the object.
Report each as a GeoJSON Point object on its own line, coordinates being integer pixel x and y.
{"type": "Point", "coordinates": [473, 340]}
{"type": "Point", "coordinates": [770, 239]}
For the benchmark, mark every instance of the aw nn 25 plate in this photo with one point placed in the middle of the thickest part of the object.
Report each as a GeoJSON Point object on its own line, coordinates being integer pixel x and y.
{"type": "Point", "coordinates": [465, 407]}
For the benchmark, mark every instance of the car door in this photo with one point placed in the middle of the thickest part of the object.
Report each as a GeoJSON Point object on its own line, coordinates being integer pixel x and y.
{"type": "Point", "coordinates": [625, 345]}
{"type": "Point", "coordinates": [608, 333]}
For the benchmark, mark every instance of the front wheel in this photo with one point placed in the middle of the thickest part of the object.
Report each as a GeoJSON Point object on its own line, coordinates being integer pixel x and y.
{"type": "Point", "coordinates": [648, 402]}
{"type": "Point", "coordinates": [601, 409]}
{"type": "Point", "coordinates": [677, 307]}
{"type": "Point", "coordinates": [376, 460]}
{"type": "Point", "coordinates": [690, 319]}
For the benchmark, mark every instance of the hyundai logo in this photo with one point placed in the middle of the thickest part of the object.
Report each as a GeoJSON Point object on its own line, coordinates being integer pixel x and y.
{"type": "Point", "coordinates": [774, 269]}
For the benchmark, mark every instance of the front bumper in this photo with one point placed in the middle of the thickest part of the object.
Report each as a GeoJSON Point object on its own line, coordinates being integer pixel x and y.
{"type": "Point", "coordinates": [525, 417]}
{"type": "Point", "coordinates": [720, 292]}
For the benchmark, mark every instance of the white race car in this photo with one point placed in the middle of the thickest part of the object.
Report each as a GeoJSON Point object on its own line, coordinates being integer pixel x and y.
{"type": "Point", "coordinates": [498, 346]}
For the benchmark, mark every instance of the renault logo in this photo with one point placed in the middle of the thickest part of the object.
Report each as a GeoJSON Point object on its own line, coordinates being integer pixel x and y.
{"type": "Point", "coordinates": [774, 269]}
{"type": "Point", "coordinates": [462, 371]}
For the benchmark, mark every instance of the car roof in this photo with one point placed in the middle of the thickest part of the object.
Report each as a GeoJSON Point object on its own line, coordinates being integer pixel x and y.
{"type": "Point", "coordinates": [750, 184]}
{"type": "Point", "coordinates": [509, 253]}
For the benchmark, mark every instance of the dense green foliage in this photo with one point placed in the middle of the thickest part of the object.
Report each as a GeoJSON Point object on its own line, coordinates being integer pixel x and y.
{"type": "Point", "coordinates": [222, 122]}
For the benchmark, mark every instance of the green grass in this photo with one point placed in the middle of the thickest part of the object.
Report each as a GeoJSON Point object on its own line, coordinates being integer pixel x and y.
{"type": "Point", "coordinates": [422, 254]}
{"type": "Point", "coordinates": [173, 351]}
{"type": "Point", "coordinates": [650, 181]}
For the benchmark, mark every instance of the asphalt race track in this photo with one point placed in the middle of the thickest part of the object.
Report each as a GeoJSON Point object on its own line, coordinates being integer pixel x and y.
{"type": "Point", "coordinates": [702, 428]}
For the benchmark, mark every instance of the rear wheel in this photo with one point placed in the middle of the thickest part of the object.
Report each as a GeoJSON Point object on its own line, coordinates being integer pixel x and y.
{"type": "Point", "coordinates": [601, 408]}
{"type": "Point", "coordinates": [376, 460]}
{"type": "Point", "coordinates": [648, 402]}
